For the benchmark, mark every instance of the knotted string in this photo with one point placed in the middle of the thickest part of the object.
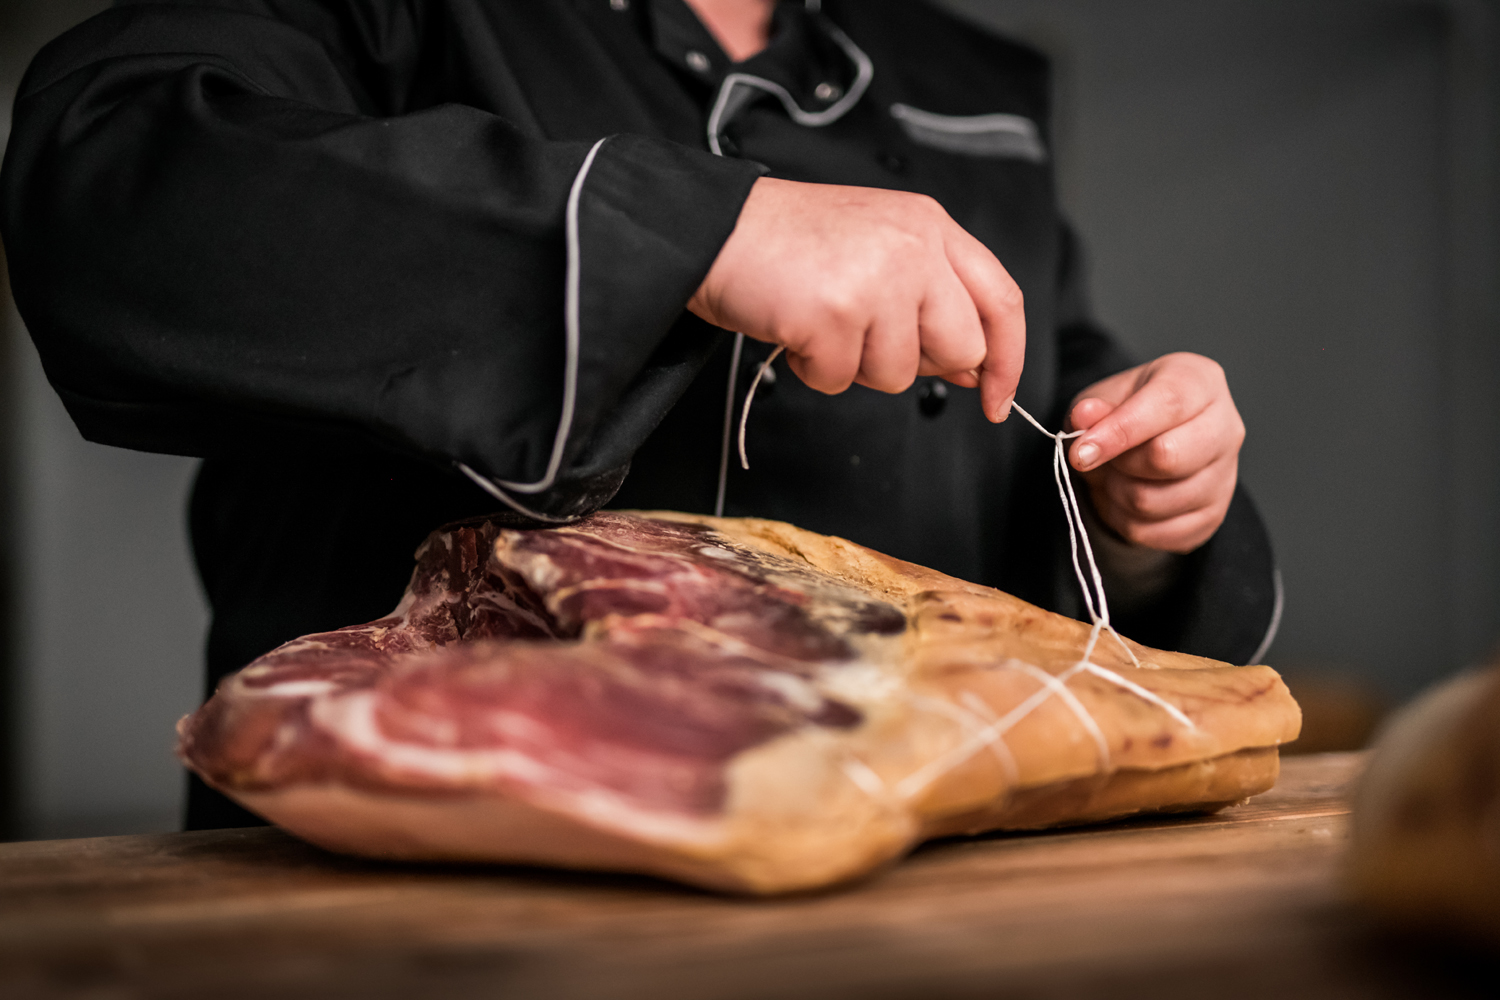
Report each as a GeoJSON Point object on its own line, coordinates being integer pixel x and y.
{"type": "Point", "coordinates": [1094, 598]}
{"type": "Point", "coordinates": [993, 733]}
{"type": "Point", "coordinates": [1095, 601]}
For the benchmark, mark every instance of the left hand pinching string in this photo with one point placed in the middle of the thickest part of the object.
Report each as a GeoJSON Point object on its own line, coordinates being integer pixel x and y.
{"type": "Point", "coordinates": [1160, 450]}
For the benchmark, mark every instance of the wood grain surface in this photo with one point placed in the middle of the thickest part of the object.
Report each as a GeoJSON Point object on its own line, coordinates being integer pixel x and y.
{"type": "Point", "coordinates": [1245, 903]}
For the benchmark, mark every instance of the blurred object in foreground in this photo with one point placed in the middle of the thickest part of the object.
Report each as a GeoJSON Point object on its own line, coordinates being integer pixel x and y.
{"type": "Point", "coordinates": [1339, 712]}
{"type": "Point", "coordinates": [1425, 852]}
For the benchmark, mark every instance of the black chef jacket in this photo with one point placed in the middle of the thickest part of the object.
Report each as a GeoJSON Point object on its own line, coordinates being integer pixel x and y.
{"type": "Point", "coordinates": [346, 249]}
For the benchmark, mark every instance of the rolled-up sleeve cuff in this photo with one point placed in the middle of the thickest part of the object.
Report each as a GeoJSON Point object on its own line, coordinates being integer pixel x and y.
{"type": "Point", "coordinates": [1226, 602]}
{"type": "Point", "coordinates": [645, 221]}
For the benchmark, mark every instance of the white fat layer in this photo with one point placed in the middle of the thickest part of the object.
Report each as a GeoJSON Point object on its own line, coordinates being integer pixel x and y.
{"type": "Point", "coordinates": [351, 719]}
{"type": "Point", "coordinates": [563, 593]}
{"type": "Point", "coordinates": [507, 605]}
{"type": "Point", "coordinates": [714, 552]}
{"type": "Point", "coordinates": [860, 683]}
{"type": "Point", "coordinates": [797, 692]}
{"type": "Point", "coordinates": [541, 573]}
{"type": "Point", "coordinates": [865, 779]}
{"type": "Point", "coordinates": [295, 689]}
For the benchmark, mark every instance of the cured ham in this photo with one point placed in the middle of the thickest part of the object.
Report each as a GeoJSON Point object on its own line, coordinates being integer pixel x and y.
{"type": "Point", "coordinates": [735, 703]}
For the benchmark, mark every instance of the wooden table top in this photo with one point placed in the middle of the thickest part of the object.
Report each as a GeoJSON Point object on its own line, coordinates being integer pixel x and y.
{"type": "Point", "coordinates": [1245, 903]}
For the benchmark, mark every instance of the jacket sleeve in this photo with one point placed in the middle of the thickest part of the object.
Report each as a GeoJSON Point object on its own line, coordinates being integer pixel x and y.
{"type": "Point", "coordinates": [228, 234]}
{"type": "Point", "coordinates": [1225, 601]}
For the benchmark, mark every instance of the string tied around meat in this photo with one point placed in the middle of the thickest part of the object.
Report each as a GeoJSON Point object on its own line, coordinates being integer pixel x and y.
{"type": "Point", "coordinates": [1091, 584]}
{"type": "Point", "coordinates": [1094, 599]}
{"type": "Point", "coordinates": [1078, 537]}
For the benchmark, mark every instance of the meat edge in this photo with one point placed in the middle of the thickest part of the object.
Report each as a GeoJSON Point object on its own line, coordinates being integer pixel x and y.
{"type": "Point", "coordinates": [494, 829]}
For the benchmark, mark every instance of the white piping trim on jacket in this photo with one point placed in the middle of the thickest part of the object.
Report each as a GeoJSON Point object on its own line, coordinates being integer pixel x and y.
{"type": "Point", "coordinates": [734, 372]}
{"type": "Point", "coordinates": [572, 339]}
{"type": "Point", "coordinates": [1022, 129]}
{"type": "Point", "coordinates": [488, 485]}
{"type": "Point", "coordinates": [1275, 626]}
{"type": "Point", "coordinates": [864, 73]}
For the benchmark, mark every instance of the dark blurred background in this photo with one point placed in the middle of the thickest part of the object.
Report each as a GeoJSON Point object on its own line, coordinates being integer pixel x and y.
{"type": "Point", "coordinates": [1302, 189]}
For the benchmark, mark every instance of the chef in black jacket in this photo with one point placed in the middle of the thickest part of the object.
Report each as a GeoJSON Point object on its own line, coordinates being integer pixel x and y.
{"type": "Point", "coordinates": [389, 263]}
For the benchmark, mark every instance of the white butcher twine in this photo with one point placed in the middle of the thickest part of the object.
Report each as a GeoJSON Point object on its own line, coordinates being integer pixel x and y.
{"type": "Point", "coordinates": [1093, 599]}
{"type": "Point", "coordinates": [992, 734]}
{"type": "Point", "coordinates": [1078, 532]}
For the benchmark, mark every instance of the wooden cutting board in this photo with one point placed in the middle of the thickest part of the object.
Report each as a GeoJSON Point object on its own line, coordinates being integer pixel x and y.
{"type": "Point", "coordinates": [1245, 903]}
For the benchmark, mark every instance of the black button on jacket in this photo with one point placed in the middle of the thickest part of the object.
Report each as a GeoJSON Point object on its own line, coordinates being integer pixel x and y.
{"type": "Point", "coordinates": [341, 247]}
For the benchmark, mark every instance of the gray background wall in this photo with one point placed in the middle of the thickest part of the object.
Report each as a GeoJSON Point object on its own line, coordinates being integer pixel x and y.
{"type": "Point", "coordinates": [107, 621]}
{"type": "Point", "coordinates": [1302, 189]}
{"type": "Point", "coordinates": [1305, 191]}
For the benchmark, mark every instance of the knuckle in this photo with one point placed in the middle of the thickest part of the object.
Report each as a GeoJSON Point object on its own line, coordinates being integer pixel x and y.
{"type": "Point", "coordinates": [795, 339]}
{"type": "Point", "coordinates": [1191, 359]}
{"type": "Point", "coordinates": [906, 239]}
{"type": "Point", "coordinates": [831, 383]}
{"type": "Point", "coordinates": [901, 255]}
{"type": "Point", "coordinates": [1116, 435]}
{"type": "Point", "coordinates": [843, 307]}
{"type": "Point", "coordinates": [892, 382]}
{"type": "Point", "coordinates": [824, 374]}
{"type": "Point", "coordinates": [1171, 402]}
{"type": "Point", "coordinates": [954, 353]}
{"type": "Point", "coordinates": [1155, 535]}
{"type": "Point", "coordinates": [926, 204]}
{"type": "Point", "coordinates": [1011, 297]}
{"type": "Point", "coordinates": [1138, 532]}
{"type": "Point", "coordinates": [1141, 501]}
{"type": "Point", "coordinates": [969, 362]}
{"type": "Point", "coordinates": [1164, 454]}
{"type": "Point", "coordinates": [1206, 369]}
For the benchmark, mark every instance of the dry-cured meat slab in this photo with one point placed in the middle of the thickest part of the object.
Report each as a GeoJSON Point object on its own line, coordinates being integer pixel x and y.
{"type": "Point", "coordinates": [735, 703]}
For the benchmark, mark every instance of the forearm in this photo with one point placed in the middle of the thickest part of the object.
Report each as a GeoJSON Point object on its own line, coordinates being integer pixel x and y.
{"type": "Point", "coordinates": [211, 255]}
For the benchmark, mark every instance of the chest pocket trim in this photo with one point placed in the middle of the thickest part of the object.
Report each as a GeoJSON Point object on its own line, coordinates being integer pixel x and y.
{"type": "Point", "coordinates": [997, 136]}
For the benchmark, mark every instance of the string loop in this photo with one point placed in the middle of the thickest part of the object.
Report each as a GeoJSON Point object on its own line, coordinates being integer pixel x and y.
{"type": "Point", "coordinates": [992, 734]}
{"type": "Point", "coordinates": [1094, 600]}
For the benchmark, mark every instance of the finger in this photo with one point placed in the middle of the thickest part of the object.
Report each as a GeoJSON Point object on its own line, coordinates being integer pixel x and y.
{"type": "Point", "coordinates": [1002, 315]}
{"type": "Point", "coordinates": [1149, 500]}
{"type": "Point", "coordinates": [829, 363]}
{"type": "Point", "coordinates": [1087, 412]}
{"type": "Point", "coordinates": [968, 380]}
{"type": "Point", "coordinates": [1168, 397]}
{"type": "Point", "coordinates": [1182, 451]}
{"type": "Point", "coordinates": [1109, 392]}
{"type": "Point", "coordinates": [892, 353]}
{"type": "Point", "coordinates": [952, 338]}
{"type": "Point", "coordinates": [1180, 534]}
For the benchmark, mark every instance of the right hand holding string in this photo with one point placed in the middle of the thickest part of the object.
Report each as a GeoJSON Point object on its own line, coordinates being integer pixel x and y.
{"type": "Point", "coordinates": [870, 286]}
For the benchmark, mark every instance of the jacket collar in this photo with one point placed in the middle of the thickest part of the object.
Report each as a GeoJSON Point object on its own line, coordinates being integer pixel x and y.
{"type": "Point", "coordinates": [803, 57]}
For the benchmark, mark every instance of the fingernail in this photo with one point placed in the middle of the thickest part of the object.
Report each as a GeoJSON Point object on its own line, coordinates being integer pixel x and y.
{"type": "Point", "coordinates": [1003, 410]}
{"type": "Point", "coordinates": [1088, 454]}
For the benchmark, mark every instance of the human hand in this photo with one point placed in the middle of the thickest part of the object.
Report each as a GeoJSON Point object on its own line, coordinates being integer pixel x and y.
{"type": "Point", "coordinates": [1160, 452]}
{"type": "Point", "coordinates": [869, 286]}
